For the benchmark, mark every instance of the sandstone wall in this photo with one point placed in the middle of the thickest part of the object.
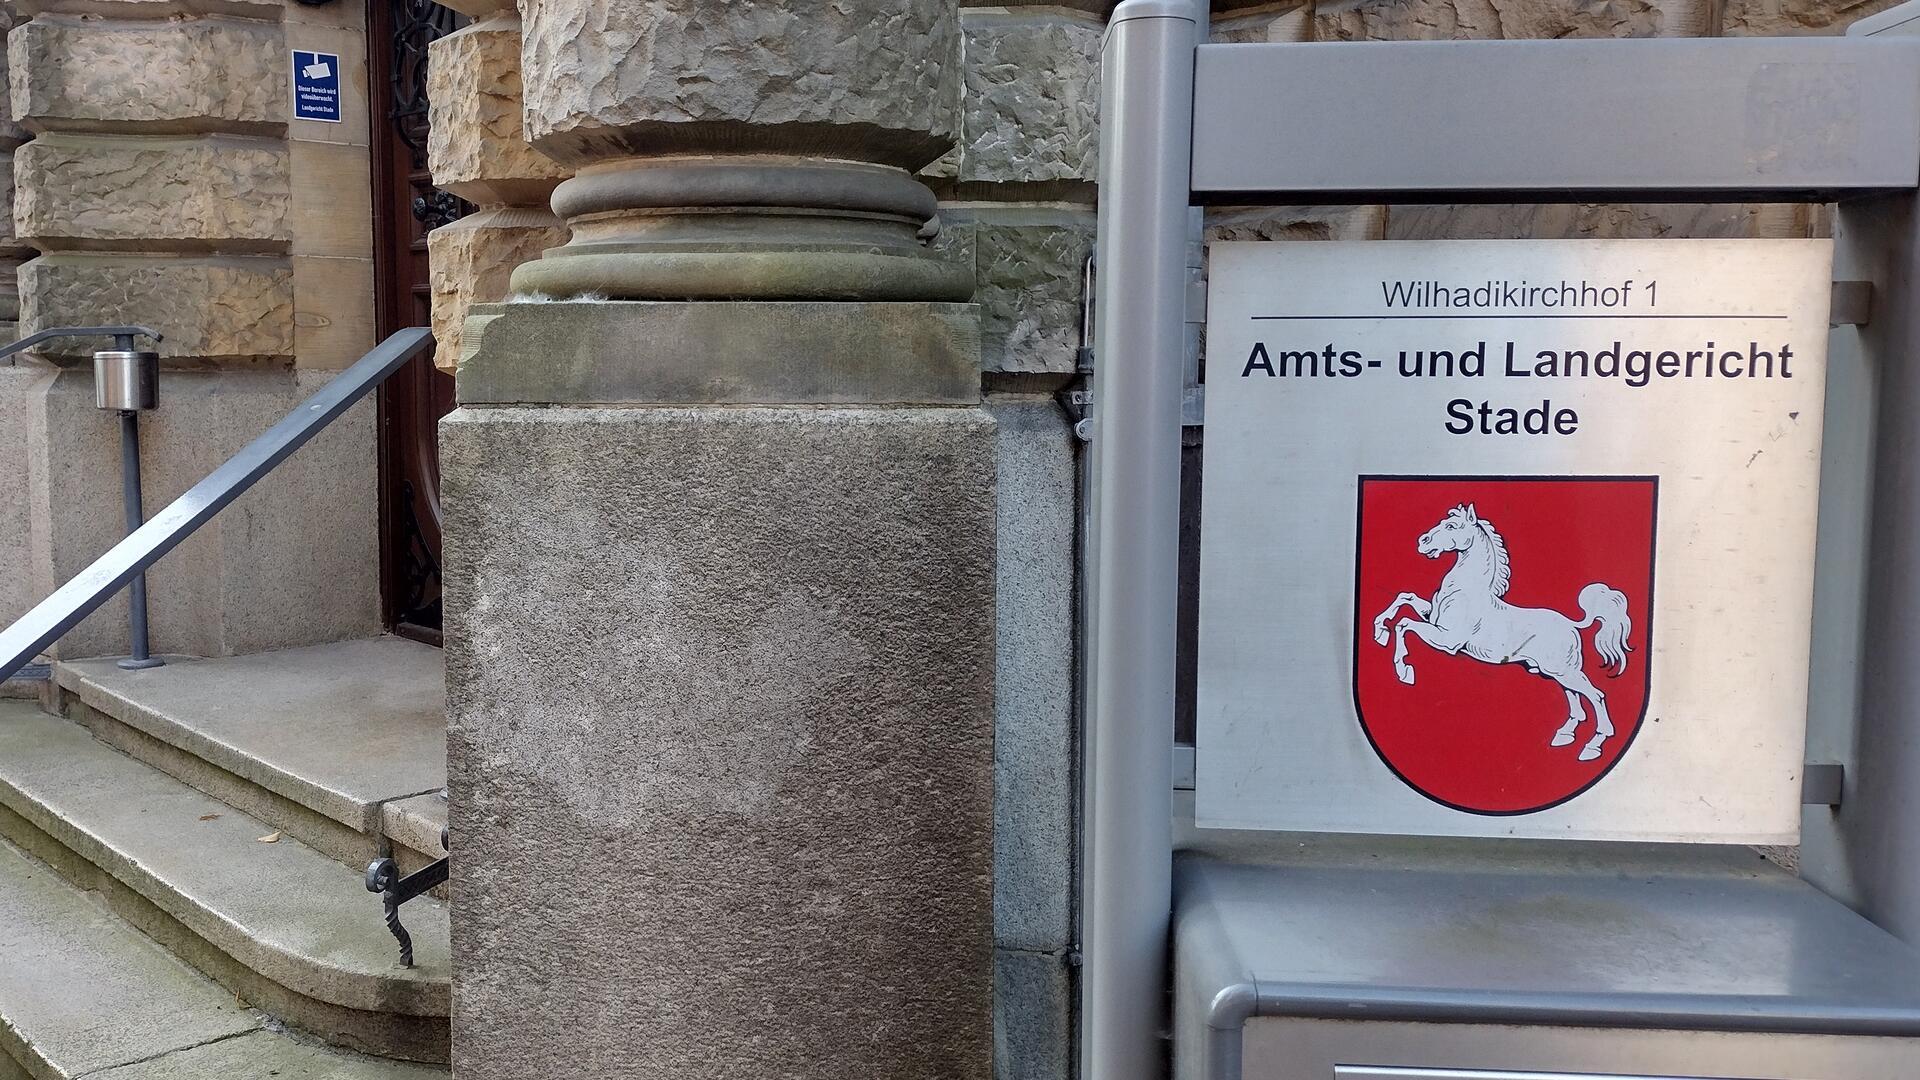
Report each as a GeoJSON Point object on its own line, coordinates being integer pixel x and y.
{"type": "Point", "coordinates": [477, 149]}
{"type": "Point", "coordinates": [158, 178]}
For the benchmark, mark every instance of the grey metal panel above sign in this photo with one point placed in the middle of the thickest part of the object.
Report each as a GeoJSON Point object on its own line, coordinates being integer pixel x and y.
{"type": "Point", "coordinates": [1556, 121]}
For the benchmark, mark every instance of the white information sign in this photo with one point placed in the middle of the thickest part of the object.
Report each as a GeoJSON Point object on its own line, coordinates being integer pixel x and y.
{"type": "Point", "coordinates": [1510, 538]}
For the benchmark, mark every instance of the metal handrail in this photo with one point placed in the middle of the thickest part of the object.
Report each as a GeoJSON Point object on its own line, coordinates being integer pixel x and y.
{"type": "Point", "coordinates": [74, 601]}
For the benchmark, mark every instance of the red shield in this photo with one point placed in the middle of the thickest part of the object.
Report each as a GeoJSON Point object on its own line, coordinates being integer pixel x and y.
{"type": "Point", "coordinates": [1502, 631]}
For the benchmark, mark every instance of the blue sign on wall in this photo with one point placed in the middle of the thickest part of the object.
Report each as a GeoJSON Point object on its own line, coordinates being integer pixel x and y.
{"type": "Point", "coordinates": [316, 86]}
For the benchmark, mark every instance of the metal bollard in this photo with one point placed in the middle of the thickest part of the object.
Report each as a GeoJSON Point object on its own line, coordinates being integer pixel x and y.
{"type": "Point", "coordinates": [127, 381]}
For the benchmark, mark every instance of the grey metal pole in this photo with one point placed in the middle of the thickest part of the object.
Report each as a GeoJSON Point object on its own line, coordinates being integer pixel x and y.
{"type": "Point", "coordinates": [1145, 154]}
{"type": "Point", "coordinates": [137, 650]}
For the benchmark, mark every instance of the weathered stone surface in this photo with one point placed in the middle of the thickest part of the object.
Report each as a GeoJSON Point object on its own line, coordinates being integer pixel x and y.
{"type": "Point", "coordinates": [1031, 108]}
{"type": "Point", "coordinates": [660, 352]}
{"type": "Point", "coordinates": [11, 133]}
{"type": "Point", "coordinates": [294, 561]}
{"type": "Point", "coordinates": [475, 146]}
{"type": "Point", "coordinates": [24, 547]}
{"type": "Point", "coordinates": [1029, 263]}
{"type": "Point", "coordinates": [295, 722]}
{"type": "Point", "coordinates": [81, 990]}
{"type": "Point", "coordinates": [1581, 221]}
{"type": "Point", "coordinates": [1781, 18]}
{"type": "Point", "coordinates": [1419, 20]}
{"type": "Point", "coordinates": [1033, 749]}
{"type": "Point", "coordinates": [10, 245]}
{"type": "Point", "coordinates": [178, 75]}
{"type": "Point", "coordinates": [1263, 24]}
{"type": "Point", "coordinates": [871, 80]}
{"type": "Point", "coordinates": [289, 913]}
{"type": "Point", "coordinates": [131, 193]}
{"type": "Point", "coordinates": [471, 261]}
{"type": "Point", "coordinates": [1296, 222]}
{"type": "Point", "coordinates": [1032, 1016]}
{"type": "Point", "coordinates": [151, 9]}
{"type": "Point", "coordinates": [219, 310]}
{"type": "Point", "coordinates": [767, 775]}
{"type": "Point", "coordinates": [479, 10]}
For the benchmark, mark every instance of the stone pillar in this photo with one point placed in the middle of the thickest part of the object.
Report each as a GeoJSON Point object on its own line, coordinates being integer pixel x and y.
{"type": "Point", "coordinates": [720, 567]}
{"type": "Point", "coordinates": [166, 185]}
{"type": "Point", "coordinates": [476, 149]}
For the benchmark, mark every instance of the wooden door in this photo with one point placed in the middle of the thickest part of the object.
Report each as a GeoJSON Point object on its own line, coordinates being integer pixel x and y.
{"type": "Point", "coordinates": [406, 208]}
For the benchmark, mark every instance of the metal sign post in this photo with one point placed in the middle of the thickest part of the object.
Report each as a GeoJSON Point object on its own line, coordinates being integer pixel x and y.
{"type": "Point", "coordinates": [1134, 546]}
{"type": "Point", "coordinates": [1184, 123]}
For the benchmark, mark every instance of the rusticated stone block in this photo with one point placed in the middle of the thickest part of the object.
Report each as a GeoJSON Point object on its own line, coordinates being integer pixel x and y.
{"type": "Point", "coordinates": [179, 75]}
{"type": "Point", "coordinates": [472, 260]}
{"type": "Point", "coordinates": [1029, 263]}
{"type": "Point", "coordinates": [480, 10]}
{"type": "Point", "coordinates": [1442, 20]}
{"type": "Point", "coordinates": [11, 133]}
{"type": "Point", "coordinates": [871, 80]}
{"type": "Point", "coordinates": [1576, 221]}
{"type": "Point", "coordinates": [150, 9]}
{"type": "Point", "coordinates": [10, 245]}
{"type": "Point", "coordinates": [128, 193]}
{"type": "Point", "coordinates": [1296, 222]}
{"type": "Point", "coordinates": [1783, 18]}
{"type": "Point", "coordinates": [475, 146]}
{"type": "Point", "coordinates": [212, 310]}
{"type": "Point", "coordinates": [1031, 110]}
{"type": "Point", "coordinates": [1262, 25]}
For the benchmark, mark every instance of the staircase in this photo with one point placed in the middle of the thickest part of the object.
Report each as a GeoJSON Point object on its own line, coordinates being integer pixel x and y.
{"type": "Point", "coordinates": [182, 854]}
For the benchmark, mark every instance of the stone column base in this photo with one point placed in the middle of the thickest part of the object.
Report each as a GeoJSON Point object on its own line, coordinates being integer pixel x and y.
{"type": "Point", "coordinates": [720, 732]}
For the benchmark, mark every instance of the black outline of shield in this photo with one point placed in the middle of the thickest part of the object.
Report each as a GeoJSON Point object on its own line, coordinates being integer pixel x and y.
{"type": "Point", "coordinates": [1359, 714]}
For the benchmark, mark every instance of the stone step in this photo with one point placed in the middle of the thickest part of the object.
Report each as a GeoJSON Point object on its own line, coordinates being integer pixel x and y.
{"type": "Point", "coordinates": [280, 924]}
{"type": "Point", "coordinates": [84, 994]}
{"type": "Point", "coordinates": [315, 741]}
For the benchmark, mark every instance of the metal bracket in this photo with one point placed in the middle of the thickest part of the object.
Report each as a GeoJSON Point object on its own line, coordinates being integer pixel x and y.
{"type": "Point", "coordinates": [1852, 303]}
{"type": "Point", "coordinates": [383, 877]}
{"type": "Point", "coordinates": [1822, 783]}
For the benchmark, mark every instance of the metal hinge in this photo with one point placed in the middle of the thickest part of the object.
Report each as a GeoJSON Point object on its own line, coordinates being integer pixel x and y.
{"type": "Point", "coordinates": [1822, 783]}
{"type": "Point", "coordinates": [1852, 303]}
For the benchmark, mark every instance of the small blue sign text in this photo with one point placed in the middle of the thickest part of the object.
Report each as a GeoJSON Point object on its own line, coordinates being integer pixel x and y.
{"type": "Point", "coordinates": [316, 86]}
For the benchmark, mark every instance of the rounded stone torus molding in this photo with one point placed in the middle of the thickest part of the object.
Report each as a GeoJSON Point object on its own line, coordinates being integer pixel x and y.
{"type": "Point", "coordinates": [866, 80]}
{"type": "Point", "coordinates": [746, 228]}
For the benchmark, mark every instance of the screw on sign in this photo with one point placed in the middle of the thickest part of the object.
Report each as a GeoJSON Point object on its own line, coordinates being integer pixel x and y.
{"type": "Point", "coordinates": [1502, 631]}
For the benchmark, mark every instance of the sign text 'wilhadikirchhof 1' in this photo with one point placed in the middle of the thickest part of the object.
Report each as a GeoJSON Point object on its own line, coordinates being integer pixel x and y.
{"type": "Point", "coordinates": [1510, 538]}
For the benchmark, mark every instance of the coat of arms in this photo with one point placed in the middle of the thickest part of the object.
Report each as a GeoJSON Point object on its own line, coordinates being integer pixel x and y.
{"type": "Point", "coordinates": [1511, 676]}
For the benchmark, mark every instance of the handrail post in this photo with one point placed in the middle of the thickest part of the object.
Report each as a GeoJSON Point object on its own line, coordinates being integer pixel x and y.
{"type": "Point", "coordinates": [138, 655]}
{"type": "Point", "coordinates": [130, 558]}
{"type": "Point", "coordinates": [1145, 157]}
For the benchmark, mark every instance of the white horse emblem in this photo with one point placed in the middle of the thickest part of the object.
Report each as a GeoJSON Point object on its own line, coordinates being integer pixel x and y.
{"type": "Point", "coordinates": [1468, 615]}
